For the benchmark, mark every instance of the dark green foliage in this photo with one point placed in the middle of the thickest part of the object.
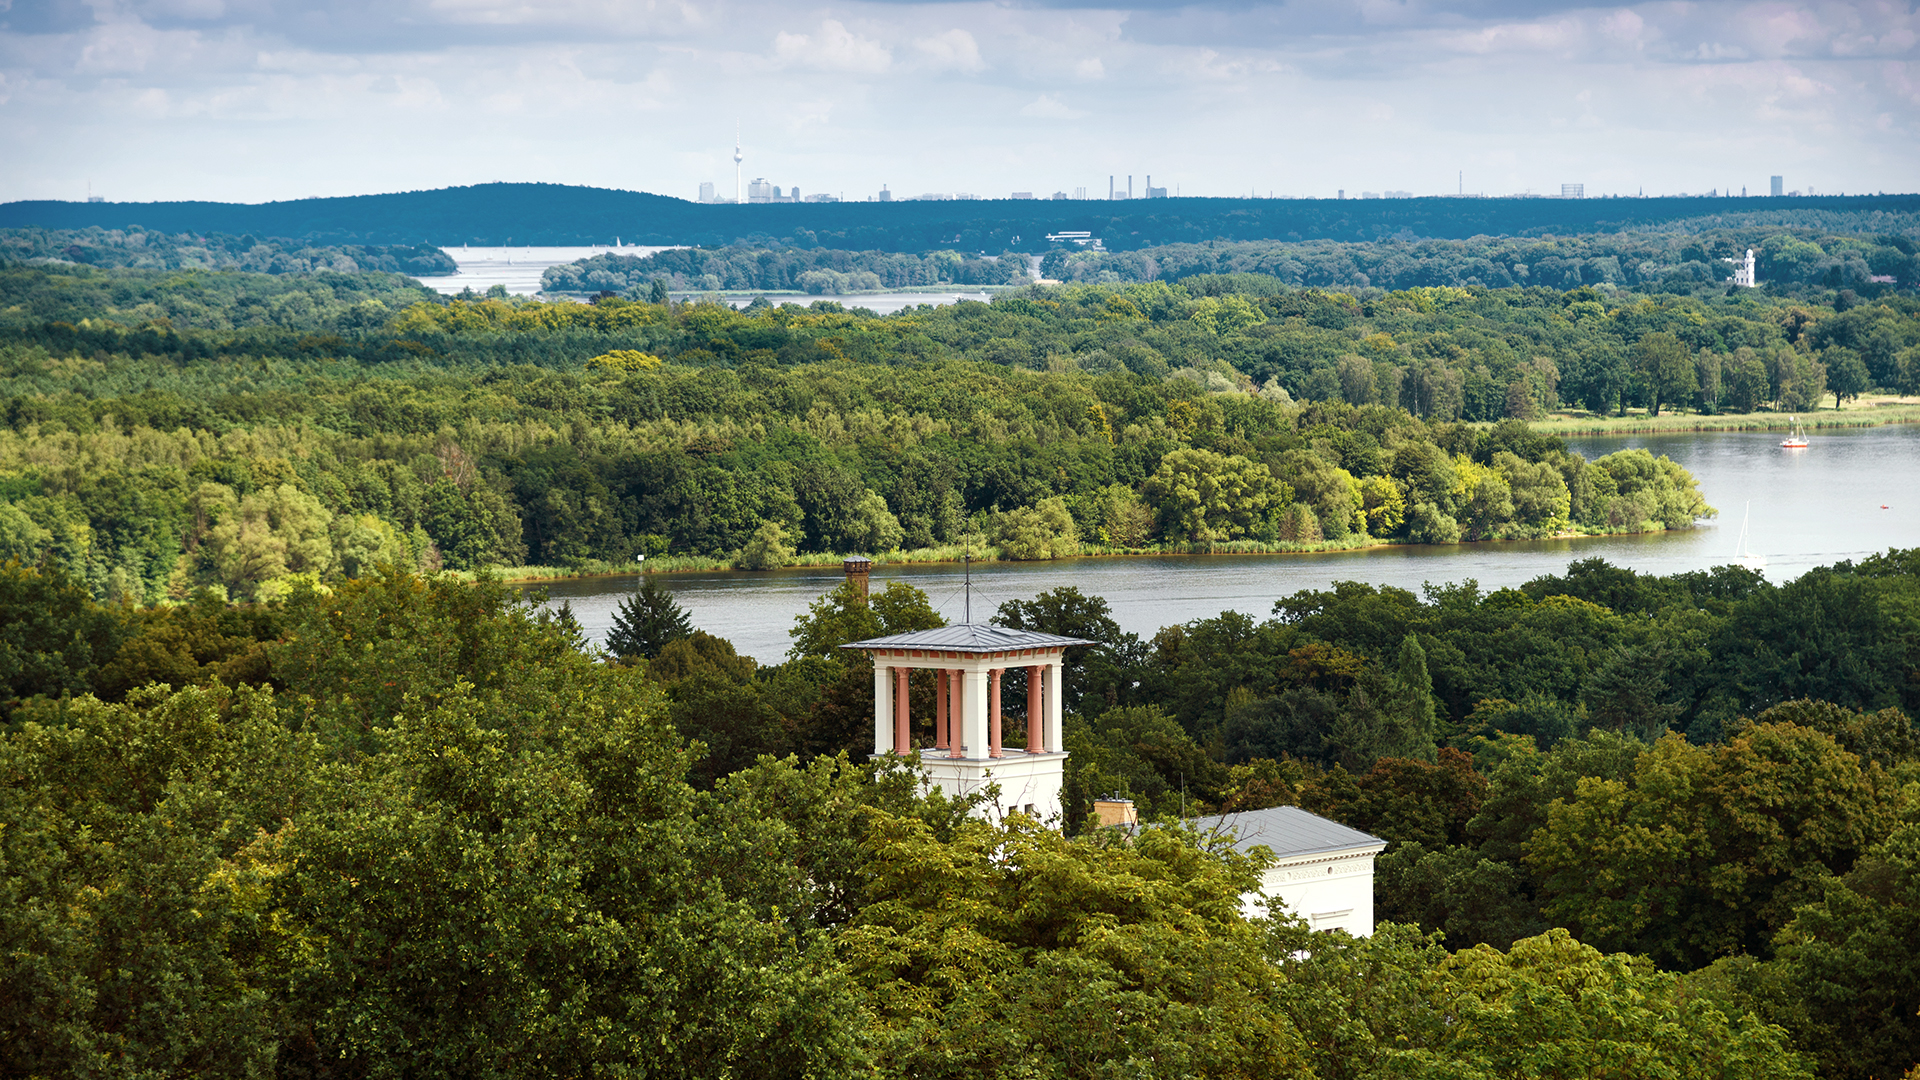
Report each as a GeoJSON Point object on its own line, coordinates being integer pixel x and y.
{"type": "Point", "coordinates": [1849, 958]}
{"type": "Point", "coordinates": [442, 840]}
{"type": "Point", "coordinates": [138, 248]}
{"type": "Point", "coordinates": [1406, 801]}
{"type": "Point", "coordinates": [1067, 612]}
{"type": "Point", "coordinates": [646, 622]}
{"type": "Point", "coordinates": [1456, 890]}
{"type": "Point", "coordinates": [53, 638]}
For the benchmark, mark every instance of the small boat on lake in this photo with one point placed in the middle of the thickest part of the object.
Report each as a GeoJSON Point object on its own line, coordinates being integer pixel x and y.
{"type": "Point", "coordinates": [1796, 438]}
{"type": "Point", "coordinates": [1740, 553]}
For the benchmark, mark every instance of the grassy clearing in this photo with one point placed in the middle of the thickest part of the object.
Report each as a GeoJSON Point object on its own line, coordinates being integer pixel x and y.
{"type": "Point", "coordinates": [1868, 411]}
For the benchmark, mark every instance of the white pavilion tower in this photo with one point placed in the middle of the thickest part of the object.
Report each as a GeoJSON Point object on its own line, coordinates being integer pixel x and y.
{"type": "Point", "coordinates": [962, 751]}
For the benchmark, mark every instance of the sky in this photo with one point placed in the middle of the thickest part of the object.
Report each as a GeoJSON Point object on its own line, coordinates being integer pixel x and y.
{"type": "Point", "coordinates": [258, 100]}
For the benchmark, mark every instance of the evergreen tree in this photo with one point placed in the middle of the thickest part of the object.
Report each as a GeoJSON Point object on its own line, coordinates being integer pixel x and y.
{"type": "Point", "coordinates": [1625, 695]}
{"type": "Point", "coordinates": [1410, 704]}
{"type": "Point", "coordinates": [646, 621]}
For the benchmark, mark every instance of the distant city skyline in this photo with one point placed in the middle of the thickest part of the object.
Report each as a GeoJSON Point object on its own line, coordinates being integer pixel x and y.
{"type": "Point", "coordinates": [276, 99]}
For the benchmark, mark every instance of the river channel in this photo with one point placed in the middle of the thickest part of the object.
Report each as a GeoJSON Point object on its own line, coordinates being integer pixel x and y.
{"type": "Point", "coordinates": [1850, 494]}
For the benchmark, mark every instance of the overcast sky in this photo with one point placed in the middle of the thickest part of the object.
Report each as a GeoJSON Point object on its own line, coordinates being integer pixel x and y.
{"type": "Point", "coordinates": [253, 100]}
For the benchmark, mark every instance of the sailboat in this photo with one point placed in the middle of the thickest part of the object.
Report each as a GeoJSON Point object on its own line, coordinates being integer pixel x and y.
{"type": "Point", "coordinates": [1740, 553]}
{"type": "Point", "coordinates": [1796, 438]}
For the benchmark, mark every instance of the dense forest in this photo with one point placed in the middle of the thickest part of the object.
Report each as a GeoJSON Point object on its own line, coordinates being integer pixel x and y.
{"type": "Point", "coordinates": [138, 248]}
{"type": "Point", "coordinates": [815, 270]}
{"type": "Point", "coordinates": [282, 796]}
{"type": "Point", "coordinates": [157, 459]}
{"type": "Point", "coordinates": [549, 214]}
{"type": "Point", "coordinates": [168, 430]}
{"type": "Point", "coordinates": [1789, 262]}
{"type": "Point", "coordinates": [412, 826]}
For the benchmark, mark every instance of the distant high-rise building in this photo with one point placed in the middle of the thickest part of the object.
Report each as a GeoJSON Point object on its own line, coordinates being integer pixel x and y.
{"type": "Point", "coordinates": [760, 191]}
{"type": "Point", "coordinates": [1779, 186]}
{"type": "Point", "coordinates": [1342, 194]}
{"type": "Point", "coordinates": [1022, 195]}
{"type": "Point", "coordinates": [1573, 191]}
{"type": "Point", "coordinates": [885, 195]}
{"type": "Point", "coordinates": [706, 191]}
{"type": "Point", "coordinates": [1058, 195]}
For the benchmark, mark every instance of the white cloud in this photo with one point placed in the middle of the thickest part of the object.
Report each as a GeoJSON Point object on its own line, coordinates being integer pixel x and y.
{"type": "Point", "coordinates": [1048, 107]}
{"type": "Point", "coordinates": [954, 49]}
{"type": "Point", "coordinates": [257, 99]}
{"type": "Point", "coordinates": [834, 48]}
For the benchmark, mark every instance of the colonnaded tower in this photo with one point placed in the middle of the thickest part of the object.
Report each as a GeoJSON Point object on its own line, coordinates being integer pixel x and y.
{"type": "Point", "coordinates": [961, 750]}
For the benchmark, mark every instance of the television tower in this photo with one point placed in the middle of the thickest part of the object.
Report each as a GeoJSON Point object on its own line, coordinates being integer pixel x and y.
{"type": "Point", "coordinates": [739, 193]}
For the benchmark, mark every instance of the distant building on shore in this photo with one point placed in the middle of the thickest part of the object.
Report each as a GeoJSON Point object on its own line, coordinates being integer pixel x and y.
{"type": "Point", "coordinates": [1743, 273]}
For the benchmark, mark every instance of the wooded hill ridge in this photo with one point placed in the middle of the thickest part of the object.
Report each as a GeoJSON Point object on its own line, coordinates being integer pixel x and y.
{"type": "Point", "coordinates": [556, 214]}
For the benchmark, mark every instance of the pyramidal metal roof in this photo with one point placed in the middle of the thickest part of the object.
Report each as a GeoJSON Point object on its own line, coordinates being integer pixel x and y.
{"type": "Point", "coordinates": [970, 637]}
{"type": "Point", "coordinates": [1289, 831]}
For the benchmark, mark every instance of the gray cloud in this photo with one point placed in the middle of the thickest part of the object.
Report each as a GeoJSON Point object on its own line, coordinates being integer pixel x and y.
{"type": "Point", "coordinates": [277, 98]}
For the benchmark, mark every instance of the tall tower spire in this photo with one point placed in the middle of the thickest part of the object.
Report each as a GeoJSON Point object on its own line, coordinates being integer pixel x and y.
{"type": "Point", "coordinates": [739, 193]}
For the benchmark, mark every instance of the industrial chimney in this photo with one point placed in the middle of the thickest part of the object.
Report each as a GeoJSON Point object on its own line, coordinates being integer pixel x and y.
{"type": "Point", "coordinates": [858, 567]}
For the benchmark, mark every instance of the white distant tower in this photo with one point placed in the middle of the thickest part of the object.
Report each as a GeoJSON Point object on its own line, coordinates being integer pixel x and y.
{"type": "Point", "coordinates": [739, 191]}
{"type": "Point", "coordinates": [1743, 274]}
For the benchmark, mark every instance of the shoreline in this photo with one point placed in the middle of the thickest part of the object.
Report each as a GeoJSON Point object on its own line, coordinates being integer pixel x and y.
{"type": "Point", "coordinates": [697, 564]}
{"type": "Point", "coordinates": [1875, 411]}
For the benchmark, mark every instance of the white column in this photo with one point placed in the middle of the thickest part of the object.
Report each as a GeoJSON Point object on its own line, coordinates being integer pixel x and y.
{"type": "Point", "coordinates": [882, 708]}
{"type": "Point", "coordinates": [1056, 738]}
{"type": "Point", "coordinates": [973, 712]}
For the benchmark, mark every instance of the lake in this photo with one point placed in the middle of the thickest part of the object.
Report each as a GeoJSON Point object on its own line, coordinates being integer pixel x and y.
{"type": "Point", "coordinates": [519, 270]}
{"type": "Point", "coordinates": [1849, 495]}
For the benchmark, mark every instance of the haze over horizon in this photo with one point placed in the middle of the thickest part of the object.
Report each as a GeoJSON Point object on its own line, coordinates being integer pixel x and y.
{"type": "Point", "coordinates": [259, 100]}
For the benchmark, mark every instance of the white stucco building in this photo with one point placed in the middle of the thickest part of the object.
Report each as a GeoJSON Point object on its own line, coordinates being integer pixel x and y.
{"type": "Point", "coordinates": [1325, 869]}
{"type": "Point", "coordinates": [1743, 274]}
{"type": "Point", "coordinates": [961, 746]}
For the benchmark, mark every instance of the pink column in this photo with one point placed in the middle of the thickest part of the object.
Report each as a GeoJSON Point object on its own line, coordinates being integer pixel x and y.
{"type": "Point", "coordinates": [942, 731]}
{"type": "Point", "coordinates": [956, 713]}
{"type": "Point", "coordinates": [902, 728]}
{"type": "Point", "coordinates": [1036, 731]}
{"type": "Point", "coordinates": [993, 712]}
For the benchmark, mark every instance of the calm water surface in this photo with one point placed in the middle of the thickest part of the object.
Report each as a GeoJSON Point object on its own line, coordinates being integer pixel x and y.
{"type": "Point", "coordinates": [1849, 495]}
{"type": "Point", "coordinates": [519, 270]}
